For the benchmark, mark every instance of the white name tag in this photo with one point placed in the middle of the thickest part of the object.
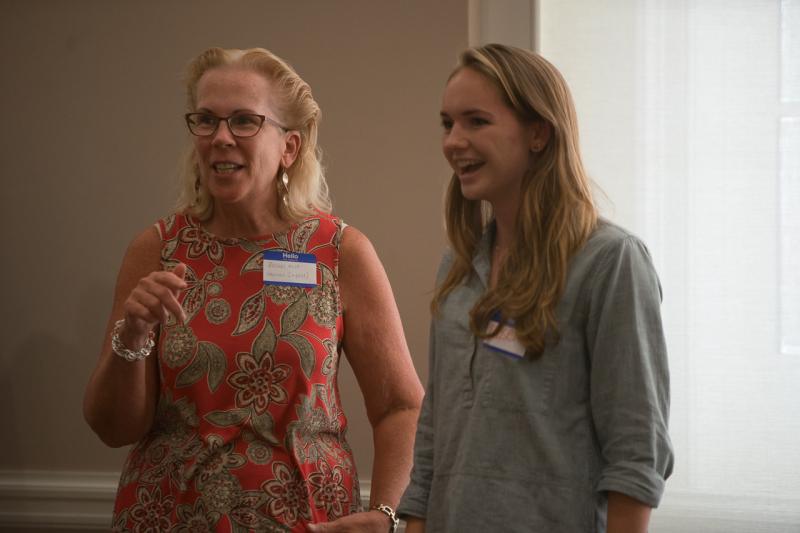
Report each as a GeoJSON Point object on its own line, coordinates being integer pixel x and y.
{"type": "Point", "coordinates": [290, 268]}
{"type": "Point", "coordinates": [505, 342]}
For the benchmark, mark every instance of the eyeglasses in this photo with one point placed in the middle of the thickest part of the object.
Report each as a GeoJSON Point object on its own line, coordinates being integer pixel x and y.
{"type": "Point", "coordinates": [241, 125]}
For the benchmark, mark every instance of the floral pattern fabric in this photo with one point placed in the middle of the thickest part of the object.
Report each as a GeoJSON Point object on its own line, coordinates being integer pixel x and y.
{"type": "Point", "coordinates": [249, 434]}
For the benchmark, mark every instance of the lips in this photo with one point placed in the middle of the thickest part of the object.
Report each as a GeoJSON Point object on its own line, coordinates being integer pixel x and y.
{"type": "Point", "coordinates": [465, 167]}
{"type": "Point", "coordinates": [226, 167]}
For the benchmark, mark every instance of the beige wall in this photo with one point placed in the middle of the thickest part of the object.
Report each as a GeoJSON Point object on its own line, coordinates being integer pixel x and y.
{"type": "Point", "coordinates": [91, 132]}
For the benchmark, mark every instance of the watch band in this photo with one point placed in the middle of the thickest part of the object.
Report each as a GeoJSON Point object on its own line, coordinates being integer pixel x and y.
{"type": "Point", "coordinates": [388, 511]}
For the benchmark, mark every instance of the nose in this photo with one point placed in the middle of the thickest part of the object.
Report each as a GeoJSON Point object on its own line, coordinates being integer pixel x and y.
{"type": "Point", "coordinates": [223, 135]}
{"type": "Point", "coordinates": [455, 139]}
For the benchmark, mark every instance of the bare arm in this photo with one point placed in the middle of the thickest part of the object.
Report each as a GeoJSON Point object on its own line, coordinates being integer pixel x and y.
{"type": "Point", "coordinates": [377, 351]}
{"type": "Point", "coordinates": [626, 514]}
{"type": "Point", "coordinates": [120, 399]}
{"type": "Point", "coordinates": [415, 525]}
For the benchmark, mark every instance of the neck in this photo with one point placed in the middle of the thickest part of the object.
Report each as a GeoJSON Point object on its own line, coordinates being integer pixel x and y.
{"type": "Point", "coordinates": [505, 216]}
{"type": "Point", "coordinates": [237, 221]}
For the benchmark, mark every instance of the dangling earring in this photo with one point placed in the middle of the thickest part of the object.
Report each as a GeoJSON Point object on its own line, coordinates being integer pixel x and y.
{"type": "Point", "coordinates": [197, 190]}
{"type": "Point", "coordinates": [283, 182]}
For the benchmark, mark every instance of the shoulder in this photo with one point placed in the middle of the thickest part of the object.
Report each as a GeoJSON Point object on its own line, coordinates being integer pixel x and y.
{"type": "Point", "coordinates": [359, 263]}
{"type": "Point", "coordinates": [146, 247]}
{"type": "Point", "coordinates": [324, 220]}
{"type": "Point", "coordinates": [146, 243]}
{"type": "Point", "coordinates": [614, 258]}
{"type": "Point", "coordinates": [611, 256]}
{"type": "Point", "coordinates": [169, 226]}
{"type": "Point", "coordinates": [607, 243]}
{"type": "Point", "coordinates": [355, 246]}
{"type": "Point", "coordinates": [142, 257]}
{"type": "Point", "coordinates": [325, 227]}
{"type": "Point", "coordinates": [362, 278]}
{"type": "Point", "coordinates": [608, 235]}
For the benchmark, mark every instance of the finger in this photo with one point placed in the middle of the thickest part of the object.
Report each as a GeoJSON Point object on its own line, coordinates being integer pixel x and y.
{"type": "Point", "coordinates": [167, 300]}
{"type": "Point", "coordinates": [341, 525]}
{"type": "Point", "coordinates": [144, 306]}
{"type": "Point", "coordinates": [163, 292]}
{"type": "Point", "coordinates": [170, 305]}
{"type": "Point", "coordinates": [174, 308]}
{"type": "Point", "coordinates": [160, 303]}
{"type": "Point", "coordinates": [173, 305]}
{"type": "Point", "coordinates": [166, 279]}
{"type": "Point", "coordinates": [153, 297]}
{"type": "Point", "coordinates": [168, 286]}
{"type": "Point", "coordinates": [180, 270]}
{"type": "Point", "coordinates": [139, 320]}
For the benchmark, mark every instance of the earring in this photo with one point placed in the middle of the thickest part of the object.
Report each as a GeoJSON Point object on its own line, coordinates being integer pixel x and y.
{"type": "Point", "coordinates": [196, 190]}
{"type": "Point", "coordinates": [284, 182]}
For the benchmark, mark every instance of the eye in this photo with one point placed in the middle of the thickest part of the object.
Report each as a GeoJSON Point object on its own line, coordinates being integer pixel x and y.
{"type": "Point", "coordinates": [245, 121]}
{"type": "Point", "coordinates": [478, 122]}
{"type": "Point", "coordinates": [204, 119]}
{"type": "Point", "coordinates": [447, 124]}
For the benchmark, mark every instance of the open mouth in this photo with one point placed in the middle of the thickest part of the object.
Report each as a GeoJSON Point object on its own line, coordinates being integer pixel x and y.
{"type": "Point", "coordinates": [226, 168]}
{"type": "Point", "coordinates": [468, 167]}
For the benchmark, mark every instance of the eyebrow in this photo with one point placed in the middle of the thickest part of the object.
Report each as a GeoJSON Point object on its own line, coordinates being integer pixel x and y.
{"type": "Point", "coordinates": [235, 111]}
{"type": "Point", "coordinates": [467, 113]}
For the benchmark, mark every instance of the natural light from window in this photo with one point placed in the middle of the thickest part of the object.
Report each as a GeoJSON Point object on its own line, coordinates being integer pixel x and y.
{"type": "Point", "coordinates": [690, 124]}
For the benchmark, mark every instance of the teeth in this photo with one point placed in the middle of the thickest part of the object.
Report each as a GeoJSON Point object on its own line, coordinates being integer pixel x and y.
{"type": "Point", "coordinates": [225, 167]}
{"type": "Point", "coordinates": [465, 163]}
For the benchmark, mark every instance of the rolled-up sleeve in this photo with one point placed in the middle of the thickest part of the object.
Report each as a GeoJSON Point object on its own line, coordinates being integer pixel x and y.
{"type": "Point", "coordinates": [415, 499]}
{"type": "Point", "coordinates": [629, 373]}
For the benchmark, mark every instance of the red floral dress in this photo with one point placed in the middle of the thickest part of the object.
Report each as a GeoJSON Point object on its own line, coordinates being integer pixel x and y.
{"type": "Point", "coordinates": [249, 434]}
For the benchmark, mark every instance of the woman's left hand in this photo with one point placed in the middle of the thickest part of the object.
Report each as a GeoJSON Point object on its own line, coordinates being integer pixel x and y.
{"type": "Point", "coordinates": [368, 521]}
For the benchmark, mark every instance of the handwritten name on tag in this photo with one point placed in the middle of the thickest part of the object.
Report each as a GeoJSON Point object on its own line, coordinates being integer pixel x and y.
{"type": "Point", "coordinates": [290, 268]}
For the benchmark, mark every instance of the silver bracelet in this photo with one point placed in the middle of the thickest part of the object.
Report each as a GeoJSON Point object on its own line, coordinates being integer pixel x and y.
{"type": "Point", "coordinates": [126, 353]}
{"type": "Point", "coordinates": [388, 511]}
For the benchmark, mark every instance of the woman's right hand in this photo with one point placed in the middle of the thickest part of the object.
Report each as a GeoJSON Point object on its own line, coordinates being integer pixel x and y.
{"type": "Point", "coordinates": [121, 396]}
{"type": "Point", "coordinates": [151, 300]}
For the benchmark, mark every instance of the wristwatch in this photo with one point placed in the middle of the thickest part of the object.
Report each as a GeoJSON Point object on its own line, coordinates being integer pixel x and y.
{"type": "Point", "coordinates": [388, 511]}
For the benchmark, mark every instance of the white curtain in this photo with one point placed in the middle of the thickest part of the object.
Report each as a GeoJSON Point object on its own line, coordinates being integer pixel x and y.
{"type": "Point", "coordinates": [690, 125]}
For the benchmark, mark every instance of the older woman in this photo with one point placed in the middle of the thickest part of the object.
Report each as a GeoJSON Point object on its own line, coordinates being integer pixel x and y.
{"type": "Point", "coordinates": [222, 348]}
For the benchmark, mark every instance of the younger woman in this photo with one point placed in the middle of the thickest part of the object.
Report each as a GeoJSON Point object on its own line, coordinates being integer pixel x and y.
{"type": "Point", "coordinates": [548, 398]}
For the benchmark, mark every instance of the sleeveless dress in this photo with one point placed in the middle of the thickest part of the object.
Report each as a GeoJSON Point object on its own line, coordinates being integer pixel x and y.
{"type": "Point", "coordinates": [249, 434]}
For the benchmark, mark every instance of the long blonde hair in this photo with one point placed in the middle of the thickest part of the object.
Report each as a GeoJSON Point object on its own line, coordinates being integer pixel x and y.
{"type": "Point", "coordinates": [296, 108]}
{"type": "Point", "coordinates": [556, 213]}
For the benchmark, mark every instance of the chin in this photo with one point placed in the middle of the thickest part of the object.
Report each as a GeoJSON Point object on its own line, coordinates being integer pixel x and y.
{"type": "Point", "coordinates": [472, 193]}
{"type": "Point", "coordinates": [228, 192]}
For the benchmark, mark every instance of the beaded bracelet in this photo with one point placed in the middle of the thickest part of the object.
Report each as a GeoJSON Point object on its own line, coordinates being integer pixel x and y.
{"type": "Point", "coordinates": [125, 352]}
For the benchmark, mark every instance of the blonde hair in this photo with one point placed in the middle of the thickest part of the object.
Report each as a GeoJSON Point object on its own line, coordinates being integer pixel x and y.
{"type": "Point", "coordinates": [296, 109]}
{"type": "Point", "coordinates": [556, 213]}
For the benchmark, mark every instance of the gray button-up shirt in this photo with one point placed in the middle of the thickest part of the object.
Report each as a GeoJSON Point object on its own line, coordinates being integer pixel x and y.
{"type": "Point", "coordinates": [528, 445]}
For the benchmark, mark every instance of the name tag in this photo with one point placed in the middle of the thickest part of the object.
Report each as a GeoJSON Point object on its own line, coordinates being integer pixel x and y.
{"type": "Point", "coordinates": [290, 268]}
{"type": "Point", "coordinates": [505, 342]}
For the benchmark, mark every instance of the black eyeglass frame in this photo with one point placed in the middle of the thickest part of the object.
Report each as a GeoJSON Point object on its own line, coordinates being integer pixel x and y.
{"type": "Point", "coordinates": [264, 118]}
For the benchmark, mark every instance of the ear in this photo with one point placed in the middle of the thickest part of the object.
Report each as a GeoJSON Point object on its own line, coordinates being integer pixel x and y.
{"type": "Point", "coordinates": [540, 135]}
{"type": "Point", "coordinates": [291, 148]}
